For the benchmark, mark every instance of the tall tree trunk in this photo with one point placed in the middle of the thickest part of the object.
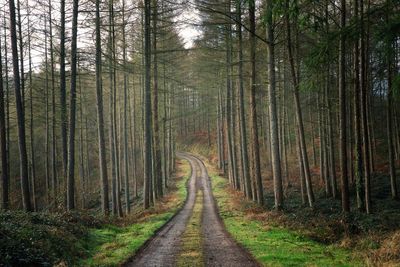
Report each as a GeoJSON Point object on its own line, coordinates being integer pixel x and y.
{"type": "Point", "coordinates": [357, 126]}
{"type": "Point", "coordinates": [7, 107]}
{"type": "Point", "coordinates": [31, 125]}
{"type": "Point", "coordinates": [47, 142]}
{"type": "Point", "coordinates": [299, 116]}
{"type": "Point", "coordinates": [364, 119]}
{"type": "Point", "coordinates": [275, 154]}
{"type": "Point", "coordinates": [147, 107]}
{"type": "Point", "coordinates": [392, 164]}
{"type": "Point", "coordinates": [100, 118]}
{"type": "Point", "coordinates": [157, 176]}
{"type": "Point", "coordinates": [342, 107]}
{"type": "Point", "coordinates": [82, 173]}
{"type": "Point", "coordinates": [242, 117]}
{"type": "Point", "coordinates": [63, 92]}
{"type": "Point", "coordinates": [3, 145]}
{"type": "Point", "coordinates": [253, 109]}
{"type": "Point", "coordinates": [72, 111]}
{"type": "Point", "coordinates": [21, 56]}
{"type": "Point", "coordinates": [26, 200]}
{"type": "Point", "coordinates": [54, 179]}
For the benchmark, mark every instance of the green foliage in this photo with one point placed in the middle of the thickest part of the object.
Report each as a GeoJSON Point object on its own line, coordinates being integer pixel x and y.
{"type": "Point", "coordinates": [42, 238]}
{"type": "Point", "coordinates": [273, 245]}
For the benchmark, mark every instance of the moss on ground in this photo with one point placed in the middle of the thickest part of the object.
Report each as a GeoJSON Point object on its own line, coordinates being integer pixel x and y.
{"type": "Point", "coordinates": [191, 253]}
{"type": "Point", "coordinates": [272, 245]}
{"type": "Point", "coordinates": [112, 245]}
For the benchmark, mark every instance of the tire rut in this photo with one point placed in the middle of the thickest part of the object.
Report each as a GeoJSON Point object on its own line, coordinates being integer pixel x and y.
{"type": "Point", "coordinates": [219, 248]}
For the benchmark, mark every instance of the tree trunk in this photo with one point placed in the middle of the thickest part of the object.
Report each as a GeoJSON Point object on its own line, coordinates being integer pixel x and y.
{"type": "Point", "coordinates": [3, 145]}
{"type": "Point", "coordinates": [389, 120]}
{"type": "Point", "coordinates": [275, 154]}
{"type": "Point", "coordinates": [53, 114]}
{"type": "Point", "coordinates": [26, 201]}
{"type": "Point", "coordinates": [125, 133]}
{"type": "Point", "coordinates": [299, 116]}
{"type": "Point", "coordinates": [342, 107]}
{"type": "Point", "coordinates": [100, 118]}
{"type": "Point", "coordinates": [147, 107]}
{"type": "Point", "coordinates": [31, 125]}
{"type": "Point", "coordinates": [364, 119]}
{"type": "Point", "coordinates": [63, 92]}
{"type": "Point", "coordinates": [358, 173]}
{"type": "Point", "coordinates": [72, 111]}
{"type": "Point", "coordinates": [241, 115]}
{"type": "Point", "coordinates": [253, 110]}
{"type": "Point", "coordinates": [157, 176]}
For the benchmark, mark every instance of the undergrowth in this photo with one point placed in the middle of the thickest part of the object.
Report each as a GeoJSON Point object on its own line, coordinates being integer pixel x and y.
{"type": "Point", "coordinates": [43, 239]}
{"type": "Point", "coordinates": [85, 239]}
{"type": "Point", "coordinates": [274, 245]}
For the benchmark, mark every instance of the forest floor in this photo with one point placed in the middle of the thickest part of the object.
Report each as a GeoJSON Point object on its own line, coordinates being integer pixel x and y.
{"type": "Point", "coordinates": [84, 239]}
{"type": "Point", "coordinates": [298, 235]}
{"type": "Point", "coordinates": [219, 227]}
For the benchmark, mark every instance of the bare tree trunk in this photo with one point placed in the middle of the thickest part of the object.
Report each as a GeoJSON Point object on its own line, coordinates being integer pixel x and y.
{"type": "Point", "coordinates": [125, 133]}
{"type": "Point", "coordinates": [100, 118]}
{"type": "Point", "coordinates": [392, 164]}
{"type": "Point", "coordinates": [3, 145]}
{"type": "Point", "coordinates": [63, 92]}
{"type": "Point", "coordinates": [82, 172]}
{"type": "Point", "coordinates": [342, 106]}
{"type": "Point", "coordinates": [229, 136]}
{"type": "Point", "coordinates": [53, 114]}
{"type": "Point", "coordinates": [6, 186]}
{"type": "Point", "coordinates": [357, 126]}
{"type": "Point", "coordinates": [299, 115]}
{"type": "Point", "coordinates": [364, 119]}
{"type": "Point", "coordinates": [241, 115]}
{"type": "Point", "coordinates": [31, 125]}
{"type": "Point", "coordinates": [26, 201]}
{"type": "Point", "coordinates": [21, 57]}
{"type": "Point", "coordinates": [47, 145]}
{"type": "Point", "coordinates": [157, 176]}
{"type": "Point", "coordinates": [275, 154]}
{"type": "Point", "coordinates": [253, 110]}
{"type": "Point", "coordinates": [72, 111]}
{"type": "Point", "coordinates": [147, 107]}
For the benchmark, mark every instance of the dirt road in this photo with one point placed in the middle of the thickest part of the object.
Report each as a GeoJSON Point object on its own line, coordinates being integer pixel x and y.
{"type": "Point", "coordinates": [219, 249]}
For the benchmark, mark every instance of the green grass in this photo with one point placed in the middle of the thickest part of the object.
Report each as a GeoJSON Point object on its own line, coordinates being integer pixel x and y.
{"type": "Point", "coordinates": [191, 253]}
{"type": "Point", "coordinates": [112, 245]}
{"type": "Point", "coordinates": [275, 246]}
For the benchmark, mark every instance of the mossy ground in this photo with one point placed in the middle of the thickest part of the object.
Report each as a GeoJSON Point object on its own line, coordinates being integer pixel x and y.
{"type": "Point", "coordinates": [273, 245]}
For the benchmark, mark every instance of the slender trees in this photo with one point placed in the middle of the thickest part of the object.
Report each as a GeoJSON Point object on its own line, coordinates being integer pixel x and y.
{"type": "Point", "coordinates": [253, 109]}
{"type": "Point", "coordinates": [26, 200]}
{"type": "Point", "coordinates": [100, 117]}
{"type": "Point", "coordinates": [63, 91]}
{"type": "Point", "coordinates": [273, 119]}
{"type": "Point", "coordinates": [147, 107]}
{"type": "Point", "coordinates": [3, 144]}
{"type": "Point", "coordinates": [72, 111]}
